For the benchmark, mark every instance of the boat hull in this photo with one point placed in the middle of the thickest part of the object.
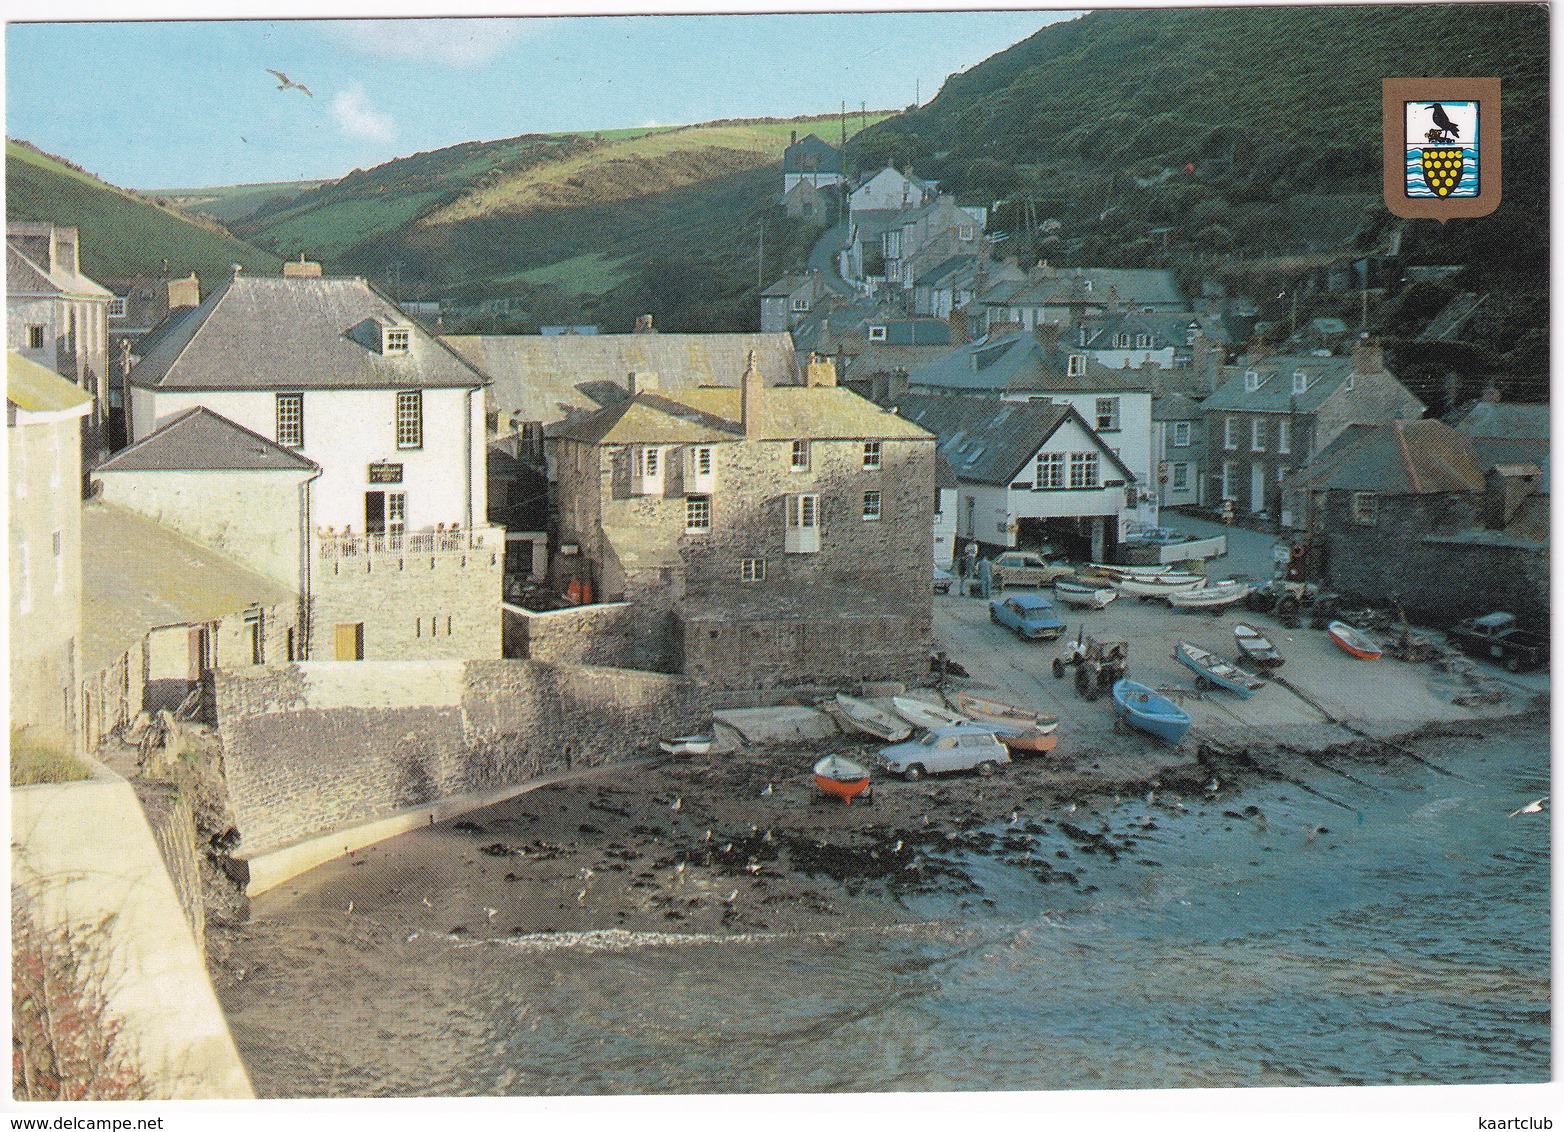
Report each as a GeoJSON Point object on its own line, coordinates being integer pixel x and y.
{"type": "Point", "coordinates": [1256, 647]}
{"type": "Point", "coordinates": [1084, 596]}
{"type": "Point", "coordinates": [1004, 715]}
{"type": "Point", "coordinates": [1159, 586]}
{"type": "Point", "coordinates": [1352, 642]}
{"type": "Point", "coordinates": [840, 778]}
{"type": "Point", "coordinates": [1146, 711]}
{"type": "Point", "coordinates": [1208, 597]}
{"type": "Point", "coordinates": [687, 745]}
{"type": "Point", "coordinates": [871, 720]}
{"type": "Point", "coordinates": [924, 715]}
{"type": "Point", "coordinates": [1213, 669]}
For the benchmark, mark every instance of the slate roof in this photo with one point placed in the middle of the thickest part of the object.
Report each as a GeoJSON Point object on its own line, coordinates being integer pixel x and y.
{"type": "Point", "coordinates": [1166, 328]}
{"type": "Point", "coordinates": [988, 440]}
{"type": "Point", "coordinates": [709, 416]}
{"type": "Point", "coordinates": [557, 379]}
{"type": "Point", "coordinates": [275, 332]}
{"type": "Point", "coordinates": [36, 388]}
{"type": "Point", "coordinates": [1175, 407]}
{"type": "Point", "coordinates": [1504, 420]}
{"type": "Point", "coordinates": [199, 440]}
{"type": "Point", "coordinates": [23, 276]}
{"type": "Point", "coordinates": [1324, 376]}
{"type": "Point", "coordinates": [1133, 286]}
{"type": "Point", "coordinates": [1018, 361]}
{"type": "Point", "coordinates": [1424, 457]}
{"type": "Point", "coordinates": [137, 575]}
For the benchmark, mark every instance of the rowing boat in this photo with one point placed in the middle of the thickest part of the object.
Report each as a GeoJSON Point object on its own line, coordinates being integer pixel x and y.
{"type": "Point", "coordinates": [919, 713]}
{"type": "Point", "coordinates": [1256, 647]}
{"type": "Point", "coordinates": [871, 720]}
{"type": "Point", "coordinates": [841, 778]}
{"type": "Point", "coordinates": [1352, 642]}
{"type": "Point", "coordinates": [1144, 710]}
{"type": "Point", "coordinates": [1018, 728]}
{"type": "Point", "coordinates": [1211, 669]}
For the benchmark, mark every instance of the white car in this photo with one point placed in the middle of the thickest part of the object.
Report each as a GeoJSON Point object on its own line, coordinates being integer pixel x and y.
{"type": "Point", "coordinates": [945, 749]}
{"type": "Point", "coordinates": [1027, 568]}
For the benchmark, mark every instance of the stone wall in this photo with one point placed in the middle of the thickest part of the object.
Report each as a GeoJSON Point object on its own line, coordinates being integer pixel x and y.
{"type": "Point", "coordinates": [314, 747]}
{"type": "Point", "coordinates": [438, 606]}
{"type": "Point", "coordinates": [824, 649]}
{"type": "Point", "coordinates": [612, 634]}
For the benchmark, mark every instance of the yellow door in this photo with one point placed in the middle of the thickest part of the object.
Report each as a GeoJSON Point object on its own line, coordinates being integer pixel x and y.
{"type": "Point", "coordinates": [350, 640]}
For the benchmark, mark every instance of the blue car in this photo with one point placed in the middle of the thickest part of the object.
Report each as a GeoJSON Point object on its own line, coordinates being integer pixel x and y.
{"type": "Point", "coordinates": [1028, 615]}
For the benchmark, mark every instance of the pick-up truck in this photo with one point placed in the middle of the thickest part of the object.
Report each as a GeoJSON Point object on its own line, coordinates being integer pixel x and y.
{"type": "Point", "coordinates": [1496, 637]}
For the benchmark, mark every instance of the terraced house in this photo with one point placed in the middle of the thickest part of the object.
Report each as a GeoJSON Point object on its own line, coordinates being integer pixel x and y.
{"type": "Point", "coordinates": [397, 560]}
{"type": "Point", "coordinates": [767, 535]}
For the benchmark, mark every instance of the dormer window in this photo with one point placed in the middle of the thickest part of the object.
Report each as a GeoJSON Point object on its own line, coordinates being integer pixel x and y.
{"type": "Point", "coordinates": [876, 333]}
{"type": "Point", "coordinates": [1251, 381]}
{"type": "Point", "coordinates": [1121, 341]}
{"type": "Point", "coordinates": [800, 305]}
{"type": "Point", "coordinates": [1142, 341]}
{"type": "Point", "coordinates": [1077, 365]}
{"type": "Point", "coordinates": [396, 339]}
{"type": "Point", "coordinates": [1300, 381]}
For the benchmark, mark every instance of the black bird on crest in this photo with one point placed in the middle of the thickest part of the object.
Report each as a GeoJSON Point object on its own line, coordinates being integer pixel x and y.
{"type": "Point", "coordinates": [1442, 120]}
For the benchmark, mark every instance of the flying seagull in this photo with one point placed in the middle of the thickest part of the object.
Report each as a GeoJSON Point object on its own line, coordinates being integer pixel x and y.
{"type": "Point", "coordinates": [285, 83]}
{"type": "Point", "coordinates": [1442, 120]}
{"type": "Point", "coordinates": [1531, 807]}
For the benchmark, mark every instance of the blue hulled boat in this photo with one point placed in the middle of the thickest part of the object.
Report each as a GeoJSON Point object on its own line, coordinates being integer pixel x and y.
{"type": "Point", "coordinates": [1146, 711]}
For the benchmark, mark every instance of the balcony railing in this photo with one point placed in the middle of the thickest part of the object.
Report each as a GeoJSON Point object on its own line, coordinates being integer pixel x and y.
{"type": "Point", "coordinates": [437, 540]}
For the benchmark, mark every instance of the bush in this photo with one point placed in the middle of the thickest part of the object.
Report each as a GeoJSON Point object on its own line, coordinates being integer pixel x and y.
{"type": "Point", "coordinates": [64, 1044]}
{"type": "Point", "coordinates": [33, 762]}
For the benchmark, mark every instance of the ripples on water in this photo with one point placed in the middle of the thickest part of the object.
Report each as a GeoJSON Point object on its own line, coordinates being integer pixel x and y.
{"type": "Point", "coordinates": [1409, 948]}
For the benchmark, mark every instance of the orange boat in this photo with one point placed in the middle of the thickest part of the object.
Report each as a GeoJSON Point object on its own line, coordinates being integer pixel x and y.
{"type": "Point", "coordinates": [1352, 642]}
{"type": "Point", "coordinates": [841, 778]}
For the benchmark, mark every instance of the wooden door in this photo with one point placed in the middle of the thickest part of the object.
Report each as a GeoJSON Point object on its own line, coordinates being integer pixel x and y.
{"type": "Point", "coordinates": [350, 640]}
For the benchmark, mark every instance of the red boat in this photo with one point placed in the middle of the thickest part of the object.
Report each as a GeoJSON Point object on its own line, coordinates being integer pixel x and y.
{"type": "Point", "coordinates": [1352, 642]}
{"type": "Point", "coordinates": [841, 778]}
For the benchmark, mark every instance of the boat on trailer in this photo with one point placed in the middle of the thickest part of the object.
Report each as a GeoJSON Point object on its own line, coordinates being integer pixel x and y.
{"type": "Point", "coordinates": [1212, 597]}
{"type": "Point", "coordinates": [1083, 593]}
{"type": "Point", "coordinates": [841, 778]}
{"type": "Point", "coordinates": [1018, 728]}
{"type": "Point", "coordinates": [871, 720]}
{"type": "Point", "coordinates": [1159, 586]}
{"type": "Point", "coordinates": [1256, 646]}
{"type": "Point", "coordinates": [1211, 670]}
{"type": "Point", "coordinates": [1145, 710]}
{"type": "Point", "coordinates": [1352, 642]}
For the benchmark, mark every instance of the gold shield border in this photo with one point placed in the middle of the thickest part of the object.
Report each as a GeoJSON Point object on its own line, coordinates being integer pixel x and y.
{"type": "Point", "coordinates": [1398, 92]}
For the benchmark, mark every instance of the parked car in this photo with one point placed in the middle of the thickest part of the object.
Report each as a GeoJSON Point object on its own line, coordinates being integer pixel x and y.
{"type": "Point", "coordinates": [1027, 568]}
{"type": "Point", "coordinates": [946, 749]}
{"type": "Point", "coordinates": [1027, 615]}
{"type": "Point", "coordinates": [1499, 638]}
{"type": "Point", "coordinates": [943, 580]}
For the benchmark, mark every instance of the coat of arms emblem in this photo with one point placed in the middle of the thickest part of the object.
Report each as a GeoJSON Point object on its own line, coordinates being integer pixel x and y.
{"type": "Point", "coordinates": [1441, 147]}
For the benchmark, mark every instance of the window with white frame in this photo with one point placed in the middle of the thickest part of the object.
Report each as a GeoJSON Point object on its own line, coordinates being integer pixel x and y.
{"type": "Point", "coordinates": [752, 569]}
{"type": "Point", "coordinates": [117, 306]}
{"type": "Point", "coordinates": [1365, 508]}
{"type": "Point", "coordinates": [1300, 381]}
{"type": "Point", "coordinates": [396, 516]}
{"type": "Point", "coordinates": [876, 333]}
{"type": "Point", "coordinates": [1142, 341]}
{"type": "Point", "coordinates": [1230, 432]}
{"type": "Point", "coordinates": [646, 470]}
{"type": "Point", "coordinates": [1107, 414]}
{"type": "Point", "coordinates": [800, 456]}
{"type": "Point", "coordinates": [1284, 435]}
{"type": "Point", "coordinates": [1257, 435]}
{"type": "Point", "coordinates": [871, 506]}
{"type": "Point", "coordinates": [1251, 381]}
{"type": "Point", "coordinates": [396, 339]}
{"type": "Point", "coordinates": [410, 419]}
{"type": "Point", "coordinates": [1349, 383]}
{"type": "Point", "coordinates": [803, 524]}
{"type": "Point", "coordinates": [1121, 341]}
{"type": "Point", "coordinates": [871, 453]}
{"type": "Point", "coordinates": [1083, 469]}
{"type": "Point", "coordinates": [966, 232]}
{"type": "Point", "coordinates": [697, 514]}
{"type": "Point", "coordinates": [1229, 481]}
{"type": "Point", "coordinates": [1076, 366]}
{"type": "Point", "coordinates": [1050, 471]}
{"type": "Point", "coordinates": [800, 305]}
{"type": "Point", "coordinates": [1181, 476]}
{"type": "Point", "coordinates": [1180, 434]}
{"type": "Point", "coordinates": [700, 471]}
{"type": "Point", "coordinates": [290, 420]}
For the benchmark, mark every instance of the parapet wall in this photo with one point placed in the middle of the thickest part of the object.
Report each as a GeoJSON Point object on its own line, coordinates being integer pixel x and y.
{"type": "Point", "coordinates": [319, 746]}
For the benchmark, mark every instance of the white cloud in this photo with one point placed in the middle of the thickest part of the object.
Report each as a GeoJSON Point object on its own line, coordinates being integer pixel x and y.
{"type": "Point", "coordinates": [357, 117]}
{"type": "Point", "coordinates": [457, 42]}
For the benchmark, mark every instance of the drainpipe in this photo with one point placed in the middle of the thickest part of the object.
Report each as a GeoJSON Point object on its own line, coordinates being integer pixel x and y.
{"type": "Point", "coordinates": [467, 459]}
{"type": "Point", "coordinates": [307, 554]}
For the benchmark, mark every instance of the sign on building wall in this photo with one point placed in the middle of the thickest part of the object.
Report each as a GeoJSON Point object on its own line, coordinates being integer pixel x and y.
{"type": "Point", "coordinates": [385, 473]}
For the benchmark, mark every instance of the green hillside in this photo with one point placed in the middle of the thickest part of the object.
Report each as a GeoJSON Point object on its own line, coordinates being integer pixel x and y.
{"type": "Point", "coordinates": [1236, 144]}
{"type": "Point", "coordinates": [122, 233]}
{"type": "Point", "coordinates": [228, 204]}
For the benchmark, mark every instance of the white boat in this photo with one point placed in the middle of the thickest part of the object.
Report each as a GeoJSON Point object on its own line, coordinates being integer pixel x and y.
{"type": "Point", "coordinates": [687, 744]}
{"type": "Point", "coordinates": [1213, 596]}
{"type": "Point", "coordinates": [1083, 594]}
{"type": "Point", "coordinates": [1211, 669]}
{"type": "Point", "coordinates": [926, 715]}
{"type": "Point", "coordinates": [871, 720]}
{"type": "Point", "coordinates": [1109, 570]}
{"type": "Point", "coordinates": [1159, 585]}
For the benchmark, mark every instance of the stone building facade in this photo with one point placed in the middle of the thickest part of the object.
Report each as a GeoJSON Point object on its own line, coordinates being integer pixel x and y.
{"type": "Point", "coordinates": [755, 506]}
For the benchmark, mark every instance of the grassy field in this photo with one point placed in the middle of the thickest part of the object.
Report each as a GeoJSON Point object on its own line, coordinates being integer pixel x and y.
{"type": "Point", "coordinates": [33, 764]}
{"type": "Point", "coordinates": [122, 233]}
{"type": "Point", "coordinates": [635, 165]}
{"type": "Point", "coordinates": [591, 274]}
{"type": "Point", "coordinates": [325, 234]}
{"type": "Point", "coordinates": [230, 203]}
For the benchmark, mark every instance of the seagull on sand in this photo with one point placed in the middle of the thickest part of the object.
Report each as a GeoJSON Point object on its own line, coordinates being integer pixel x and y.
{"type": "Point", "coordinates": [767, 792]}
{"type": "Point", "coordinates": [285, 83]}
{"type": "Point", "coordinates": [350, 907]}
{"type": "Point", "coordinates": [732, 896]}
{"type": "Point", "coordinates": [427, 904]}
{"type": "Point", "coordinates": [1531, 807]}
{"type": "Point", "coordinates": [678, 804]}
{"type": "Point", "coordinates": [491, 912]}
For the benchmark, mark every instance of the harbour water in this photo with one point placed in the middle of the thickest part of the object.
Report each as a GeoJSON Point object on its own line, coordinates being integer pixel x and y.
{"type": "Point", "coordinates": [1394, 932]}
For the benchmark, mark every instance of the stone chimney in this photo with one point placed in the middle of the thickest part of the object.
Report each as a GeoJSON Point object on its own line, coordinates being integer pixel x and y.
{"type": "Point", "coordinates": [795, 138]}
{"type": "Point", "coordinates": [819, 372]}
{"type": "Point", "coordinates": [1506, 488]}
{"type": "Point", "coordinates": [750, 392]}
{"type": "Point", "coordinates": [1367, 355]}
{"type": "Point", "coordinates": [643, 324]}
{"type": "Point", "coordinates": [1113, 298]}
{"type": "Point", "coordinates": [958, 327]}
{"type": "Point", "coordinates": [641, 381]}
{"type": "Point", "coordinates": [184, 292]}
{"type": "Point", "coordinates": [301, 268]}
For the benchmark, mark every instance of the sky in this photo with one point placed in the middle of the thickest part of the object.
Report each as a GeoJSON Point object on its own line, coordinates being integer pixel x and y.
{"type": "Point", "coordinates": [183, 104]}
